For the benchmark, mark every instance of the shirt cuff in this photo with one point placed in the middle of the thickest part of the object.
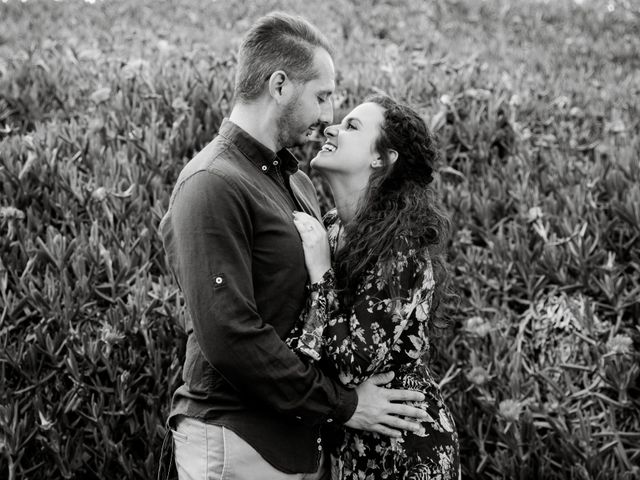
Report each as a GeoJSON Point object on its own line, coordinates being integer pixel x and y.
{"type": "Point", "coordinates": [347, 404]}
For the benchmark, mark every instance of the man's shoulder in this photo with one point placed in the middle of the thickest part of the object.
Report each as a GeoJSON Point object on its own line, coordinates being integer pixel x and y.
{"type": "Point", "coordinates": [219, 157]}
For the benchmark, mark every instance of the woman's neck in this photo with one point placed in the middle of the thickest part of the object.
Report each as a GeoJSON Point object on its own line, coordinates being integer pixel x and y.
{"type": "Point", "coordinates": [347, 194]}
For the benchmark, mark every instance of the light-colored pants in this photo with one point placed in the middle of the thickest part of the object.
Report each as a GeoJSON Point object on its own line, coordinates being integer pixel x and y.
{"type": "Point", "coordinates": [212, 452]}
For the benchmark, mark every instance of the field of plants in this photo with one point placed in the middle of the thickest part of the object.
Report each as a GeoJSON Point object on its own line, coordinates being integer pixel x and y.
{"type": "Point", "coordinates": [537, 108]}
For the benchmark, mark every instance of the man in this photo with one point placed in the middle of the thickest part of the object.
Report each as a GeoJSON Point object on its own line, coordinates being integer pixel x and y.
{"type": "Point", "coordinates": [249, 407]}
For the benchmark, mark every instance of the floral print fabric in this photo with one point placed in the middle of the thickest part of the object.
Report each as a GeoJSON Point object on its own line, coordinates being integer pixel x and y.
{"type": "Point", "coordinates": [386, 329]}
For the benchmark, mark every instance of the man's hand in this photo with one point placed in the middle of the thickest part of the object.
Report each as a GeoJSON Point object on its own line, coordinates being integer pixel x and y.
{"type": "Point", "coordinates": [378, 412]}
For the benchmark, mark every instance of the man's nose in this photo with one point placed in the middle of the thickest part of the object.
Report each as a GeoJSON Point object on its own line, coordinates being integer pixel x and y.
{"type": "Point", "coordinates": [326, 112]}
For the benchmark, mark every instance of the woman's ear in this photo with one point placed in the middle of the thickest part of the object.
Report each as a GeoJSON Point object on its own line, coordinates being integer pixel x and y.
{"type": "Point", "coordinates": [377, 162]}
{"type": "Point", "coordinates": [278, 86]}
{"type": "Point", "coordinates": [392, 156]}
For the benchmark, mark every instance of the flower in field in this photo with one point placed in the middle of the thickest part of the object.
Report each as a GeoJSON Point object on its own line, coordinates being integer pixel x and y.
{"type": "Point", "coordinates": [616, 126]}
{"type": "Point", "coordinates": [101, 95]}
{"type": "Point", "coordinates": [515, 100]}
{"type": "Point", "coordinates": [445, 99]}
{"type": "Point", "coordinates": [620, 344]}
{"type": "Point", "coordinates": [90, 54]}
{"type": "Point", "coordinates": [510, 410]}
{"type": "Point", "coordinates": [45, 423]}
{"type": "Point", "coordinates": [562, 102]}
{"type": "Point", "coordinates": [110, 335]}
{"type": "Point", "coordinates": [180, 104]}
{"type": "Point", "coordinates": [507, 81]}
{"type": "Point", "coordinates": [11, 213]}
{"type": "Point", "coordinates": [478, 376]}
{"type": "Point", "coordinates": [99, 194]}
{"type": "Point", "coordinates": [611, 261]}
{"type": "Point", "coordinates": [165, 47]}
{"type": "Point", "coordinates": [478, 326]}
{"type": "Point", "coordinates": [478, 93]}
{"type": "Point", "coordinates": [576, 112]}
{"type": "Point", "coordinates": [134, 68]}
{"type": "Point", "coordinates": [464, 236]}
{"type": "Point", "coordinates": [534, 213]}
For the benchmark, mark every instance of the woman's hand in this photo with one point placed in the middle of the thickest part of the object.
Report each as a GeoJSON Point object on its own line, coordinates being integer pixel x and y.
{"type": "Point", "coordinates": [315, 242]}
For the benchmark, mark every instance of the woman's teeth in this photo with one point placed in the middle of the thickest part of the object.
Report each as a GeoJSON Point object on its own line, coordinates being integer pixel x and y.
{"type": "Point", "coordinates": [327, 147]}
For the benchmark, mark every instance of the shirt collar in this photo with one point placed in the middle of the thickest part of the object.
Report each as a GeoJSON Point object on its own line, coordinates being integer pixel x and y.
{"type": "Point", "coordinates": [261, 156]}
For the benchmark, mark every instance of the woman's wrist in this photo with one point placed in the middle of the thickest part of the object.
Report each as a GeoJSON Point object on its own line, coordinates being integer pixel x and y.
{"type": "Point", "coordinates": [326, 280]}
{"type": "Point", "coordinates": [317, 275]}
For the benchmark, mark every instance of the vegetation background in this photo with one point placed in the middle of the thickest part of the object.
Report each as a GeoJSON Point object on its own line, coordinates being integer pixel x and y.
{"type": "Point", "coordinates": [536, 107]}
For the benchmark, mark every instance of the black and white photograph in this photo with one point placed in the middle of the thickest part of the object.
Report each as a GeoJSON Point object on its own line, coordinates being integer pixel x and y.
{"type": "Point", "coordinates": [302, 240]}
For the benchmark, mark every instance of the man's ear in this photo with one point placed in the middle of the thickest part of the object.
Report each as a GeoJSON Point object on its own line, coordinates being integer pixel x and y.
{"type": "Point", "coordinates": [279, 86]}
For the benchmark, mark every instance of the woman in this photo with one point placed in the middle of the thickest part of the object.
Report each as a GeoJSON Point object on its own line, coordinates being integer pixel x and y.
{"type": "Point", "coordinates": [370, 312]}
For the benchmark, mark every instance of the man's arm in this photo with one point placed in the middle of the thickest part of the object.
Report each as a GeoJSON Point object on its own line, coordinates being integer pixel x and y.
{"type": "Point", "coordinates": [211, 251]}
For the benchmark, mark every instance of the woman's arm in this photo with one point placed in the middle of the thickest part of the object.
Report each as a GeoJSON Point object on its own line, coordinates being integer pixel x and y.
{"type": "Point", "coordinates": [389, 315]}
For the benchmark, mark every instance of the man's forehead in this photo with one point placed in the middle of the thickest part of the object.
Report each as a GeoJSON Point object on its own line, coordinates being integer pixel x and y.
{"type": "Point", "coordinates": [325, 79]}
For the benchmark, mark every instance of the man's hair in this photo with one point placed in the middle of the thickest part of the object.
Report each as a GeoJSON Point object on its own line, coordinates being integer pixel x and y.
{"type": "Point", "coordinates": [277, 41]}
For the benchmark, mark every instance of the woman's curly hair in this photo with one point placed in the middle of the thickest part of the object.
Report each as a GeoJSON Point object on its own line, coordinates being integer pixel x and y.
{"type": "Point", "coordinates": [399, 205]}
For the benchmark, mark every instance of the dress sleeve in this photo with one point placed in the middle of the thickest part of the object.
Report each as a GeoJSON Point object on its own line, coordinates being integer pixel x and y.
{"type": "Point", "coordinates": [388, 318]}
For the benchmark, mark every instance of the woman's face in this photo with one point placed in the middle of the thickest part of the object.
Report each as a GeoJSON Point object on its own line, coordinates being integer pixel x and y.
{"type": "Point", "coordinates": [350, 146]}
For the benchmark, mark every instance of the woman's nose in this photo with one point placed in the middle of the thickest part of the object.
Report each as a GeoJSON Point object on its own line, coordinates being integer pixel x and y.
{"type": "Point", "coordinates": [331, 131]}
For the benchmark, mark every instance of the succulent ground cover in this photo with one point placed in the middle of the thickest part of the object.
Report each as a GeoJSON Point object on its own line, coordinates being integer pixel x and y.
{"type": "Point", "coordinates": [536, 106]}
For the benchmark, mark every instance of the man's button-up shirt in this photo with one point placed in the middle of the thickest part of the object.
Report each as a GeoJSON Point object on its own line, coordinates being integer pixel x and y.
{"type": "Point", "coordinates": [237, 256]}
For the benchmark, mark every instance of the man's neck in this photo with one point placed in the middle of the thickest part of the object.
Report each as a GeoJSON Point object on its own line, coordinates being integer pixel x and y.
{"type": "Point", "coordinates": [257, 119]}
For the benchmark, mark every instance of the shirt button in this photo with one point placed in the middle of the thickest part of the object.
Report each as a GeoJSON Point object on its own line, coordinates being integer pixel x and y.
{"type": "Point", "coordinates": [319, 440]}
{"type": "Point", "coordinates": [218, 280]}
{"type": "Point", "coordinates": [275, 162]}
{"type": "Point", "coordinates": [264, 168]}
{"type": "Point", "coordinates": [319, 448]}
{"type": "Point", "coordinates": [329, 420]}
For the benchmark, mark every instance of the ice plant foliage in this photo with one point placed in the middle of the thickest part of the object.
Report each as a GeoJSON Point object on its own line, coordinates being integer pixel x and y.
{"type": "Point", "coordinates": [533, 104]}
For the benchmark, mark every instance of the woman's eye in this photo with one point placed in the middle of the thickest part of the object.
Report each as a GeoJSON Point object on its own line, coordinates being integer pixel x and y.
{"type": "Point", "coordinates": [350, 126]}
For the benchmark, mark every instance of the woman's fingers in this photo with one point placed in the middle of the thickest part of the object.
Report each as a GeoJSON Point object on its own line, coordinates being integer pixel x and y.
{"type": "Point", "coordinates": [307, 220]}
{"type": "Point", "coordinates": [317, 255]}
{"type": "Point", "coordinates": [302, 226]}
{"type": "Point", "coordinates": [309, 228]}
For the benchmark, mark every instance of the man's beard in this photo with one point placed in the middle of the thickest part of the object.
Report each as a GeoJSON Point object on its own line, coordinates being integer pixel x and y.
{"type": "Point", "coordinates": [290, 132]}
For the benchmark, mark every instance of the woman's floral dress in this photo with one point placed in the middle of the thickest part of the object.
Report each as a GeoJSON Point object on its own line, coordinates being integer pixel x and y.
{"type": "Point", "coordinates": [380, 334]}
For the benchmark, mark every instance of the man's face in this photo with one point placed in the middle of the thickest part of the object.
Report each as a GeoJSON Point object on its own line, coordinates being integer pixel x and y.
{"type": "Point", "coordinates": [311, 106]}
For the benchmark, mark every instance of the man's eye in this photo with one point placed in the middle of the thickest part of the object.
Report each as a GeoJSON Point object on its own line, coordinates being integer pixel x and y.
{"type": "Point", "coordinates": [350, 126]}
{"type": "Point", "coordinates": [322, 99]}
